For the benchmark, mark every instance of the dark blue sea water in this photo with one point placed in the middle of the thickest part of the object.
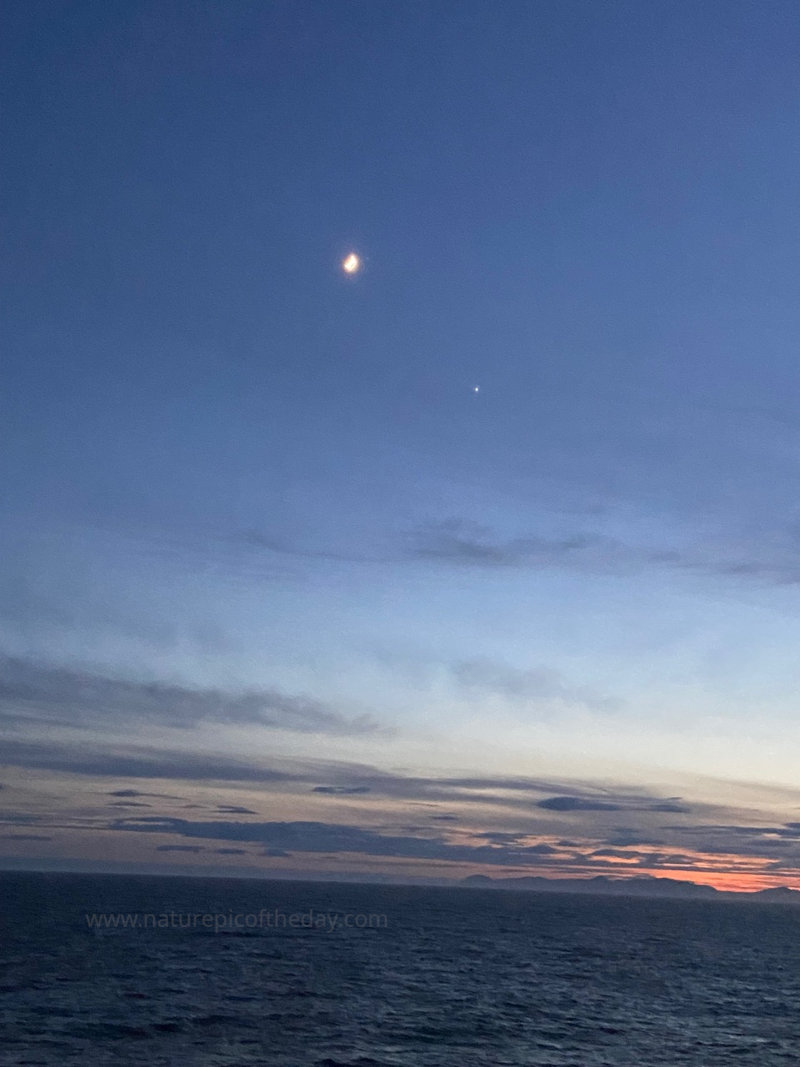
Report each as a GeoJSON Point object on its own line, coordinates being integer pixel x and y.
{"type": "Point", "coordinates": [449, 977]}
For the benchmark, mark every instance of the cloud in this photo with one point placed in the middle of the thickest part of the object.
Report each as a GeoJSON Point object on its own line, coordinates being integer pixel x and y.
{"type": "Point", "coordinates": [540, 684]}
{"type": "Point", "coordinates": [24, 837]}
{"type": "Point", "coordinates": [458, 541]}
{"type": "Point", "coordinates": [138, 793]}
{"type": "Point", "coordinates": [180, 848]}
{"type": "Point", "coordinates": [502, 837]}
{"type": "Point", "coordinates": [134, 762]}
{"type": "Point", "coordinates": [624, 836]}
{"type": "Point", "coordinates": [518, 797]}
{"type": "Point", "coordinates": [341, 790]}
{"type": "Point", "coordinates": [480, 790]}
{"type": "Point", "coordinates": [576, 804]}
{"type": "Point", "coordinates": [284, 547]}
{"type": "Point", "coordinates": [231, 851]}
{"type": "Point", "coordinates": [478, 820]}
{"type": "Point", "coordinates": [743, 840]}
{"type": "Point", "coordinates": [75, 697]}
{"type": "Point", "coordinates": [523, 794]}
{"type": "Point", "coordinates": [634, 858]}
{"type": "Point", "coordinates": [280, 838]}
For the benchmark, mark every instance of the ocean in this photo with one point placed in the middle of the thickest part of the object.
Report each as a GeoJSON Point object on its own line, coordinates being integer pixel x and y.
{"type": "Point", "coordinates": [98, 970]}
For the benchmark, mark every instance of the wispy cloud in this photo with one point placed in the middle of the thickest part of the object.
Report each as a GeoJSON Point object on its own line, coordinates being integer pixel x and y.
{"type": "Point", "coordinates": [25, 837]}
{"type": "Point", "coordinates": [496, 821]}
{"type": "Point", "coordinates": [495, 848]}
{"type": "Point", "coordinates": [520, 796]}
{"type": "Point", "coordinates": [461, 542]}
{"type": "Point", "coordinates": [537, 684]}
{"type": "Point", "coordinates": [76, 697]}
{"type": "Point", "coordinates": [576, 804]}
{"type": "Point", "coordinates": [290, 837]}
{"type": "Point", "coordinates": [285, 547]}
{"type": "Point", "coordinates": [139, 793]}
{"type": "Point", "coordinates": [131, 762]}
{"type": "Point", "coordinates": [341, 790]}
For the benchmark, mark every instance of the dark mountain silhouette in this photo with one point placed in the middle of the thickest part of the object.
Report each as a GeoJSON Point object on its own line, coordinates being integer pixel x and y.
{"type": "Point", "coordinates": [637, 886]}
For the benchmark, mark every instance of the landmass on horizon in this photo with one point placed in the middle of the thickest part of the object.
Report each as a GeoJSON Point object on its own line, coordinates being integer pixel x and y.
{"type": "Point", "coordinates": [636, 885]}
{"type": "Point", "coordinates": [598, 885]}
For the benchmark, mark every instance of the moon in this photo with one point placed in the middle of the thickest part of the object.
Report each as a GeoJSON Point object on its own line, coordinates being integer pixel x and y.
{"type": "Point", "coordinates": [351, 264]}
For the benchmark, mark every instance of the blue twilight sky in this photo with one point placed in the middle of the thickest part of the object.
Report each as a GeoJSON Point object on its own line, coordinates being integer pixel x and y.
{"type": "Point", "coordinates": [254, 509]}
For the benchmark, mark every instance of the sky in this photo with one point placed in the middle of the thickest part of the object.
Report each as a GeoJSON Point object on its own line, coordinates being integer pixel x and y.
{"type": "Point", "coordinates": [484, 558]}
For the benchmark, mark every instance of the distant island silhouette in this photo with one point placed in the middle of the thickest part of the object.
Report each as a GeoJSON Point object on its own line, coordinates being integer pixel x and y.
{"type": "Point", "coordinates": [636, 886]}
